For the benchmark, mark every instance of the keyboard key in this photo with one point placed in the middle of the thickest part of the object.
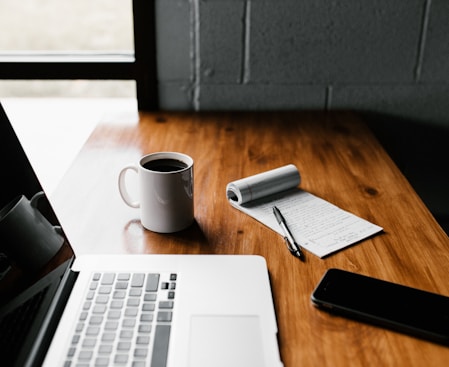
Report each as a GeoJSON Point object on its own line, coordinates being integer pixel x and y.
{"type": "Point", "coordinates": [124, 346]}
{"type": "Point", "coordinates": [85, 355]}
{"type": "Point", "coordinates": [148, 307]}
{"type": "Point", "coordinates": [105, 349]}
{"type": "Point", "coordinates": [120, 294]}
{"type": "Point", "coordinates": [99, 309]}
{"type": "Point", "coordinates": [121, 359]}
{"type": "Point", "coordinates": [92, 330]}
{"type": "Point", "coordinates": [137, 280]}
{"type": "Point", "coordinates": [133, 302]}
{"type": "Point", "coordinates": [152, 282]}
{"type": "Point", "coordinates": [144, 328]}
{"type": "Point", "coordinates": [114, 314]}
{"type": "Point", "coordinates": [140, 352]}
{"type": "Point", "coordinates": [150, 297]}
{"type": "Point", "coordinates": [121, 285]}
{"type": "Point", "coordinates": [164, 316]}
{"type": "Point", "coordinates": [117, 304]}
{"type": "Point", "coordinates": [128, 323]}
{"type": "Point", "coordinates": [96, 320]}
{"type": "Point", "coordinates": [135, 292]}
{"type": "Point", "coordinates": [103, 299]}
{"type": "Point", "coordinates": [108, 278]}
{"type": "Point", "coordinates": [124, 276]}
{"type": "Point", "coordinates": [146, 317]}
{"type": "Point", "coordinates": [105, 289]}
{"type": "Point", "coordinates": [131, 311]}
{"type": "Point", "coordinates": [79, 327]}
{"type": "Point", "coordinates": [111, 325]}
{"type": "Point", "coordinates": [143, 340]}
{"type": "Point", "coordinates": [126, 334]}
{"type": "Point", "coordinates": [89, 343]}
{"type": "Point", "coordinates": [101, 361]}
{"type": "Point", "coordinates": [166, 304]}
{"type": "Point", "coordinates": [108, 337]}
{"type": "Point", "coordinates": [160, 348]}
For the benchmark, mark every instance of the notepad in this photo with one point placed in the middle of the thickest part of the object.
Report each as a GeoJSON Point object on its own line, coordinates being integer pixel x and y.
{"type": "Point", "coordinates": [317, 225]}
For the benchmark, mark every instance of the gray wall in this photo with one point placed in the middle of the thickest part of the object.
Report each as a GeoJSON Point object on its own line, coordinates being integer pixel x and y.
{"type": "Point", "coordinates": [390, 57]}
{"type": "Point", "coordinates": [374, 55]}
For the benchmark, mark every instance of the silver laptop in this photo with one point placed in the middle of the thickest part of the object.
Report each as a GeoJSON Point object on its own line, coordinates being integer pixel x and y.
{"type": "Point", "coordinates": [129, 310]}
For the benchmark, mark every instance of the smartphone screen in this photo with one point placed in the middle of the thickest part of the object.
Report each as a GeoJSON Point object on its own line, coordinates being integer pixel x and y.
{"type": "Point", "coordinates": [387, 304]}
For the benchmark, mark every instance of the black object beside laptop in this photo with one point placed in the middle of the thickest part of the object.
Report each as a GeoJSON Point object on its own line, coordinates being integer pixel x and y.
{"type": "Point", "coordinates": [408, 310]}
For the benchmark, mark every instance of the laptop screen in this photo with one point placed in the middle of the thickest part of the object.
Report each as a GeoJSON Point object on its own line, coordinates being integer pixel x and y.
{"type": "Point", "coordinates": [32, 244]}
{"type": "Point", "coordinates": [21, 263]}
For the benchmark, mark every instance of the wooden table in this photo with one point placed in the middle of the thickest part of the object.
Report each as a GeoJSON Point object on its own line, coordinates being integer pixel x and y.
{"type": "Point", "coordinates": [339, 160]}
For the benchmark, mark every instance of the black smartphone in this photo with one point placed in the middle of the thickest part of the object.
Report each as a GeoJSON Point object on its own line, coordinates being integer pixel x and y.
{"type": "Point", "coordinates": [394, 306]}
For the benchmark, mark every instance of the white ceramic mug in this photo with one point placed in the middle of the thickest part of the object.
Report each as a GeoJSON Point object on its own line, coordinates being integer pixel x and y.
{"type": "Point", "coordinates": [165, 181]}
{"type": "Point", "coordinates": [27, 237]}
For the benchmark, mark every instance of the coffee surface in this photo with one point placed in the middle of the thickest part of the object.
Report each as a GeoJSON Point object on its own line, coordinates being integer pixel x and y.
{"type": "Point", "coordinates": [165, 165]}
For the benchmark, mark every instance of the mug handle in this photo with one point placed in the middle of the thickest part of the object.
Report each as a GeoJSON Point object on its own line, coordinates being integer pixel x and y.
{"type": "Point", "coordinates": [33, 203]}
{"type": "Point", "coordinates": [122, 187]}
{"type": "Point", "coordinates": [35, 199]}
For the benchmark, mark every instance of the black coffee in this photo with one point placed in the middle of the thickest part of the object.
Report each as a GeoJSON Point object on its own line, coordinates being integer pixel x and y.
{"type": "Point", "coordinates": [165, 165]}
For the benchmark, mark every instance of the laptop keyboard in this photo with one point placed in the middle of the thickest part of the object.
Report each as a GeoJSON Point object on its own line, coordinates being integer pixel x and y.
{"type": "Point", "coordinates": [125, 321]}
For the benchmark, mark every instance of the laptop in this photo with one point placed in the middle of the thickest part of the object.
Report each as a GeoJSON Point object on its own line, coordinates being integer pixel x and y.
{"type": "Point", "coordinates": [129, 310]}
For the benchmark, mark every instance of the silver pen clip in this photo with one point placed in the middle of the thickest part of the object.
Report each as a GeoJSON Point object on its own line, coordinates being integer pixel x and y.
{"type": "Point", "coordinates": [292, 246]}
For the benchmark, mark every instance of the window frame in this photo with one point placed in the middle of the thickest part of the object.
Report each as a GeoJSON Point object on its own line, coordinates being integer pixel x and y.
{"type": "Point", "coordinates": [139, 66]}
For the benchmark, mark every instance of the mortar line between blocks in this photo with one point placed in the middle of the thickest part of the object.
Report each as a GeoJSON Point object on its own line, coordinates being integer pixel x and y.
{"type": "Point", "coordinates": [328, 98]}
{"type": "Point", "coordinates": [195, 16]}
{"type": "Point", "coordinates": [422, 40]}
{"type": "Point", "coordinates": [245, 67]}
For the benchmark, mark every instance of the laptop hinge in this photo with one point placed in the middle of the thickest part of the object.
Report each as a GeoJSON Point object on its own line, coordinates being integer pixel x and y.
{"type": "Point", "coordinates": [51, 320]}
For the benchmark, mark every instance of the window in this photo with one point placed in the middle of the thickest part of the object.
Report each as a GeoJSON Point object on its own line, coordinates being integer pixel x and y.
{"type": "Point", "coordinates": [60, 40]}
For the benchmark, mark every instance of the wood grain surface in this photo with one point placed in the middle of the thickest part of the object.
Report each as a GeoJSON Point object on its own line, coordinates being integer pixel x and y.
{"type": "Point", "coordinates": [339, 160]}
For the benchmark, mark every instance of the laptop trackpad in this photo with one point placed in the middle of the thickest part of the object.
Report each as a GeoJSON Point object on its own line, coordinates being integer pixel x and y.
{"type": "Point", "coordinates": [227, 340]}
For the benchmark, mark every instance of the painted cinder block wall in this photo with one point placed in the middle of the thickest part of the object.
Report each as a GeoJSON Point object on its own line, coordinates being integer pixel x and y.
{"type": "Point", "coordinates": [389, 57]}
{"type": "Point", "coordinates": [373, 55]}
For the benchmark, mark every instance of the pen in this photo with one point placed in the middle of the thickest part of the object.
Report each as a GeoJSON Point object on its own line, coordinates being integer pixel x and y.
{"type": "Point", "coordinates": [293, 247]}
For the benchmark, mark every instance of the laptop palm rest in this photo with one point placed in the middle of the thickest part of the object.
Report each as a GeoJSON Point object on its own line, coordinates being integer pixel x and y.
{"type": "Point", "coordinates": [240, 334]}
